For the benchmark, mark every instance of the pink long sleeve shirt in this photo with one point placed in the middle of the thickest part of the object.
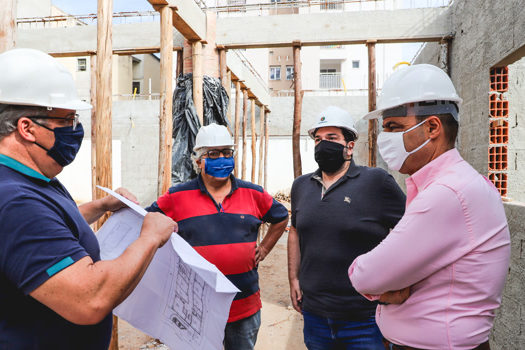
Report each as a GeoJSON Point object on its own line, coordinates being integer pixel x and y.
{"type": "Point", "coordinates": [452, 247]}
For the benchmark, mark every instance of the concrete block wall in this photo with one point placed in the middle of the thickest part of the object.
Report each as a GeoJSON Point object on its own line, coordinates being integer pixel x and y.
{"type": "Point", "coordinates": [509, 326]}
{"type": "Point", "coordinates": [136, 125]}
{"type": "Point", "coordinates": [516, 152]}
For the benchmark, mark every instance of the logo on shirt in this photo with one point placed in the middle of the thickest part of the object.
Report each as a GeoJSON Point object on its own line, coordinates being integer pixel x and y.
{"type": "Point", "coordinates": [347, 200]}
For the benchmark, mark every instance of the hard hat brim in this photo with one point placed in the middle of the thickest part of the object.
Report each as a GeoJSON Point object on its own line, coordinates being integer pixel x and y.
{"type": "Point", "coordinates": [312, 130]}
{"type": "Point", "coordinates": [74, 105]}
{"type": "Point", "coordinates": [378, 113]}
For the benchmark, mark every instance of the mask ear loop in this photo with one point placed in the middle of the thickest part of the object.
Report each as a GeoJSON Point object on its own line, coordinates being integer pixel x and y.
{"type": "Point", "coordinates": [420, 146]}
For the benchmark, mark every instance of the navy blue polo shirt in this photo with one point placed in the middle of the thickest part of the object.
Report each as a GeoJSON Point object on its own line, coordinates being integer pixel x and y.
{"type": "Point", "coordinates": [41, 233]}
{"type": "Point", "coordinates": [334, 227]}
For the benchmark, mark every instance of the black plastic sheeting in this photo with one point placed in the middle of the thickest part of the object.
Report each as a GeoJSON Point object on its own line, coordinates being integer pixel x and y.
{"type": "Point", "coordinates": [186, 123]}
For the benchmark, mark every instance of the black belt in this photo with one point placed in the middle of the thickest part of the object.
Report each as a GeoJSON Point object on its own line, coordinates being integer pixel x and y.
{"type": "Point", "coordinates": [389, 345]}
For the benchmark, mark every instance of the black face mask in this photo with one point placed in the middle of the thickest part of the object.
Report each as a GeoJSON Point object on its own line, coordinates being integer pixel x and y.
{"type": "Point", "coordinates": [329, 156]}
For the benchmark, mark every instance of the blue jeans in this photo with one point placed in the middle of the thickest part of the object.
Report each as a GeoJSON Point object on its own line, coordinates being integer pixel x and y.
{"type": "Point", "coordinates": [321, 333]}
{"type": "Point", "coordinates": [242, 334]}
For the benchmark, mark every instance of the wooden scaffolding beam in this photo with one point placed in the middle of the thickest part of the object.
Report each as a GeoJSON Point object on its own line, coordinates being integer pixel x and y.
{"type": "Point", "coordinates": [298, 103]}
{"type": "Point", "coordinates": [244, 120]}
{"type": "Point", "coordinates": [266, 137]}
{"type": "Point", "coordinates": [7, 25]}
{"type": "Point", "coordinates": [103, 119]}
{"type": "Point", "coordinates": [166, 101]}
{"type": "Point", "coordinates": [372, 124]}
{"type": "Point", "coordinates": [238, 105]}
{"type": "Point", "coordinates": [261, 144]}
{"type": "Point", "coordinates": [254, 140]}
{"type": "Point", "coordinates": [196, 48]}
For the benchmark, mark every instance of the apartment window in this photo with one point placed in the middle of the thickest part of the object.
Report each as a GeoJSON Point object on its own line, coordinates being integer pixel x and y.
{"type": "Point", "coordinates": [328, 70]}
{"type": "Point", "coordinates": [275, 73]}
{"type": "Point", "coordinates": [136, 85]}
{"type": "Point", "coordinates": [289, 72]}
{"type": "Point", "coordinates": [331, 5]}
{"type": "Point", "coordinates": [81, 64]}
{"type": "Point", "coordinates": [355, 64]}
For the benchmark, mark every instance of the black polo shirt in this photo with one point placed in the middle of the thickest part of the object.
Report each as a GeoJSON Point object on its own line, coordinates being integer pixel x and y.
{"type": "Point", "coordinates": [334, 227]}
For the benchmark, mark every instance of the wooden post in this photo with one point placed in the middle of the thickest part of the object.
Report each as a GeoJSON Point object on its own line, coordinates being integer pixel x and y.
{"type": "Point", "coordinates": [244, 120]}
{"type": "Point", "coordinates": [93, 97]}
{"type": "Point", "coordinates": [229, 92]}
{"type": "Point", "coordinates": [237, 125]}
{"type": "Point", "coordinates": [254, 139]}
{"type": "Point", "coordinates": [266, 137]}
{"type": "Point", "coordinates": [298, 103]}
{"type": "Point", "coordinates": [197, 79]}
{"type": "Point", "coordinates": [7, 25]}
{"type": "Point", "coordinates": [372, 124]}
{"type": "Point", "coordinates": [180, 63]}
{"type": "Point", "coordinates": [261, 144]}
{"type": "Point", "coordinates": [222, 67]}
{"type": "Point", "coordinates": [103, 106]}
{"type": "Point", "coordinates": [166, 101]}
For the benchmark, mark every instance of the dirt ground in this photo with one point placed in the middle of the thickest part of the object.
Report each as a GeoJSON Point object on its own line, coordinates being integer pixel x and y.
{"type": "Point", "coordinates": [281, 327]}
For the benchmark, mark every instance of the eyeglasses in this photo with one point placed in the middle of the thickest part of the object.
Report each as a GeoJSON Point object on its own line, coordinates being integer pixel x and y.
{"type": "Point", "coordinates": [216, 153]}
{"type": "Point", "coordinates": [74, 120]}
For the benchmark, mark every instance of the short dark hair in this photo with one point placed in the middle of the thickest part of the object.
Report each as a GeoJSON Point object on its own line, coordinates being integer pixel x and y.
{"type": "Point", "coordinates": [450, 126]}
{"type": "Point", "coordinates": [347, 134]}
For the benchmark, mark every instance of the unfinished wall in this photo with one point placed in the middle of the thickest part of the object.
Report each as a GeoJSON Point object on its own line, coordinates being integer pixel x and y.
{"type": "Point", "coordinates": [485, 33]}
{"type": "Point", "coordinates": [509, 327]}
{"type": "Point", "coordinates": [516, 151]}
{"type": "Point", "coordinates": [136, 127]}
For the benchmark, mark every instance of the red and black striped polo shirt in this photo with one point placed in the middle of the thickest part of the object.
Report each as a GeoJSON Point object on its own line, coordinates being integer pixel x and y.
{"type": "Point", "coordinates": [225, 233]}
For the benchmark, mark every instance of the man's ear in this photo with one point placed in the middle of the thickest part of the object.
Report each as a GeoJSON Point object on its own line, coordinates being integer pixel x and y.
{"type": "Point", "coordinates": [434, 127]}
{"type": "Point", "coordinates": [26, 128]}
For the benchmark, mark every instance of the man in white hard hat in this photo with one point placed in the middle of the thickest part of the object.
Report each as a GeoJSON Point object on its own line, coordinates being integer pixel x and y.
{"type": "Point", "coordinates": [339, 212]}
{"type": "Point", "coordinates": [449, 254]}
{"type": "Point", "coordinates": [55, 293]}
{"type": "Point", "coordinates": [220, 215]}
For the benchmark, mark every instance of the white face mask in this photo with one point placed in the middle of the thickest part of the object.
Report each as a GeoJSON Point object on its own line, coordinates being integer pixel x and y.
{"type": "Point", "coordinates": [392, 147]}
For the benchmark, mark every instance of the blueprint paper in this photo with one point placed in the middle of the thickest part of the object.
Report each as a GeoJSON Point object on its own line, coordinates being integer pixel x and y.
{"type": "Point", "coordinates": [182, 299]}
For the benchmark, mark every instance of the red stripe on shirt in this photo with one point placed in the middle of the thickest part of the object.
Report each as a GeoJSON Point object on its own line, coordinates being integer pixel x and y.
{"type": "Point", "coordinates": [230, 259]}
{"type": "Point", "coordinates": [186, 204]}
{"type": "Point", "coordinates": [246, 307]}
{"type": "Point", "coordinates": [248, 201]}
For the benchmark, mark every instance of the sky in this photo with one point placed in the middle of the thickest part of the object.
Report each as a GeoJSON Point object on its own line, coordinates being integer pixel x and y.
{"type": "Point", "coordinates": [84, 7]}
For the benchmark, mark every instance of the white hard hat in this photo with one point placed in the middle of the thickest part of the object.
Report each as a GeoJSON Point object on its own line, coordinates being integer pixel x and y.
{"type": "Point", "coordinates": [213, 135]}
{"type": "Point", "coordinates": [417, 83]}
{"type": "Point", "coordinates": [334, 116]}
{"type": "Point", "coordinates": [33, 78]}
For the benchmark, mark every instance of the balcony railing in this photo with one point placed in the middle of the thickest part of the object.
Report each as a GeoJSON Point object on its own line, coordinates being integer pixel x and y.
{"type": "Point", "coordinates": [329, 80]}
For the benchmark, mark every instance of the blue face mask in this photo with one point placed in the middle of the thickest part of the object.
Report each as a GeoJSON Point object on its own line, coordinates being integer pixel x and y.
{"type": "Point", "coordinates": [67, 143]}
{"type": "Point", "coordinates": [219, 167]}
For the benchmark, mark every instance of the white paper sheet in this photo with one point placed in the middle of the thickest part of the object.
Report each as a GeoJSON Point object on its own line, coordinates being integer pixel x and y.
{"type": "Point", "coordinates": [182, 299]}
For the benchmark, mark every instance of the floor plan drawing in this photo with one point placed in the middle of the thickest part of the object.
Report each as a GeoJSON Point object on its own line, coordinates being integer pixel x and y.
{"type": "Point", "coordinates": [188, 295]}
